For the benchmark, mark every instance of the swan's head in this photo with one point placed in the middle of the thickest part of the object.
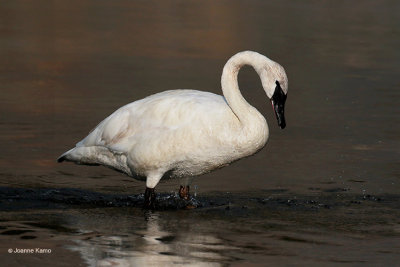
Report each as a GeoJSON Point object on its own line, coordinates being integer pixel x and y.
{"type": "Point", "coordinates": [275, 83]}
{"type": "Point", "coordinates": [273, 79]}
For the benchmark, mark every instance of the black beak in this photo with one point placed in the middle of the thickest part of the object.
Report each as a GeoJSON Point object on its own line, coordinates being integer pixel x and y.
{"type": "Point", "coordinates": [278, 100]}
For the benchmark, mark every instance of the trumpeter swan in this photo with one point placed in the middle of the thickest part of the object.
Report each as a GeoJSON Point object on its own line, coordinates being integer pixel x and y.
{"type": "Point", "coordinates": [185, 133]}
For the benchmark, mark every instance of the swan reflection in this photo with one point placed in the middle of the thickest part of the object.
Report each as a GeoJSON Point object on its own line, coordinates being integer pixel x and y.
{"type": "Point", "coordinates": [152, 245]}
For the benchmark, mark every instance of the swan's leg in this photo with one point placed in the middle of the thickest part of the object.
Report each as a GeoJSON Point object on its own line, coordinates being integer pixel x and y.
{"type": "Point", "coordinates": [149, 199]}
{"type": "Point", "coordinates": [185, 188]}
{"type": "Point", "coordinates": [184, 192]}
{"type": "Point", "coordinates": [149, 195]}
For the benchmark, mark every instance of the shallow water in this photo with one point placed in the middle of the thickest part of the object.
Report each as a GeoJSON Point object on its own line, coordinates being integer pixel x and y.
{"type": "Point", "coordinates": [66, 66]}
{"type": "Point", "coordinates": [271, 227]}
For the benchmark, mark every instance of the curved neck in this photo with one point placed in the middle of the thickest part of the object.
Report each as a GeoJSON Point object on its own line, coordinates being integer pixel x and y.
{"type": "Point", "coordinates": [229, 81]}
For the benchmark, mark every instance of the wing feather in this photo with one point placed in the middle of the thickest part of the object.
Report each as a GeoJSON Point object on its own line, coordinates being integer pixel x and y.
{"type": "Point", "coordinates": [156, 115]}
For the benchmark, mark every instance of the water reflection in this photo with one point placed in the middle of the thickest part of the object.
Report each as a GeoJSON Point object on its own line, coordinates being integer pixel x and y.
{"type": "Point", "coordinates": [151, 246]}
{"type": "Point", "coordinates": [266, 228]}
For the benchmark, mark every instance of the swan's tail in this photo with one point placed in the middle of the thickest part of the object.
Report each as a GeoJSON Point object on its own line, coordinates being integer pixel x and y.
{"type": "Point", "coordinates": [96, 155]}
{"type": "Point", "coordinates": [81, 155]}
{"type": "Point", "coordinates": [64, 157]}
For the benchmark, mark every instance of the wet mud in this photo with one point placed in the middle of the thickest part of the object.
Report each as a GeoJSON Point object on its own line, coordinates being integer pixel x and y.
{"type": "Point", "coordinates": [14, 199]}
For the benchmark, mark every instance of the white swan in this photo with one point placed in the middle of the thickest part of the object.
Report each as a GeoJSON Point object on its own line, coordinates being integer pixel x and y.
{"type": "Point", "coordinates": [184, 133]}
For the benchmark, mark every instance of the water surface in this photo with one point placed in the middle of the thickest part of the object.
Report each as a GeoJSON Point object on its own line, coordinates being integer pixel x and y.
{"type": "Point", "coordinates": [66, 66]}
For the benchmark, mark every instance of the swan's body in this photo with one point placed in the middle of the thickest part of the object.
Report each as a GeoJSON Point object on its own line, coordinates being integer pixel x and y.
{"type": "Point", "coordinates": [148, 136]}
{"type": "Point", "coordinates": [183, 132]}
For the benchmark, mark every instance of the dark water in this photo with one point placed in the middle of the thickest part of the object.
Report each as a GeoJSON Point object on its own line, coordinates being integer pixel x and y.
{"type": "Point", "coordinates": [324, 191]}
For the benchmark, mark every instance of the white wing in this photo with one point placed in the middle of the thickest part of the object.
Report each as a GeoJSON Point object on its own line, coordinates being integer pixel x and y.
{"type": "Point", "coordinates": [157, 117]}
